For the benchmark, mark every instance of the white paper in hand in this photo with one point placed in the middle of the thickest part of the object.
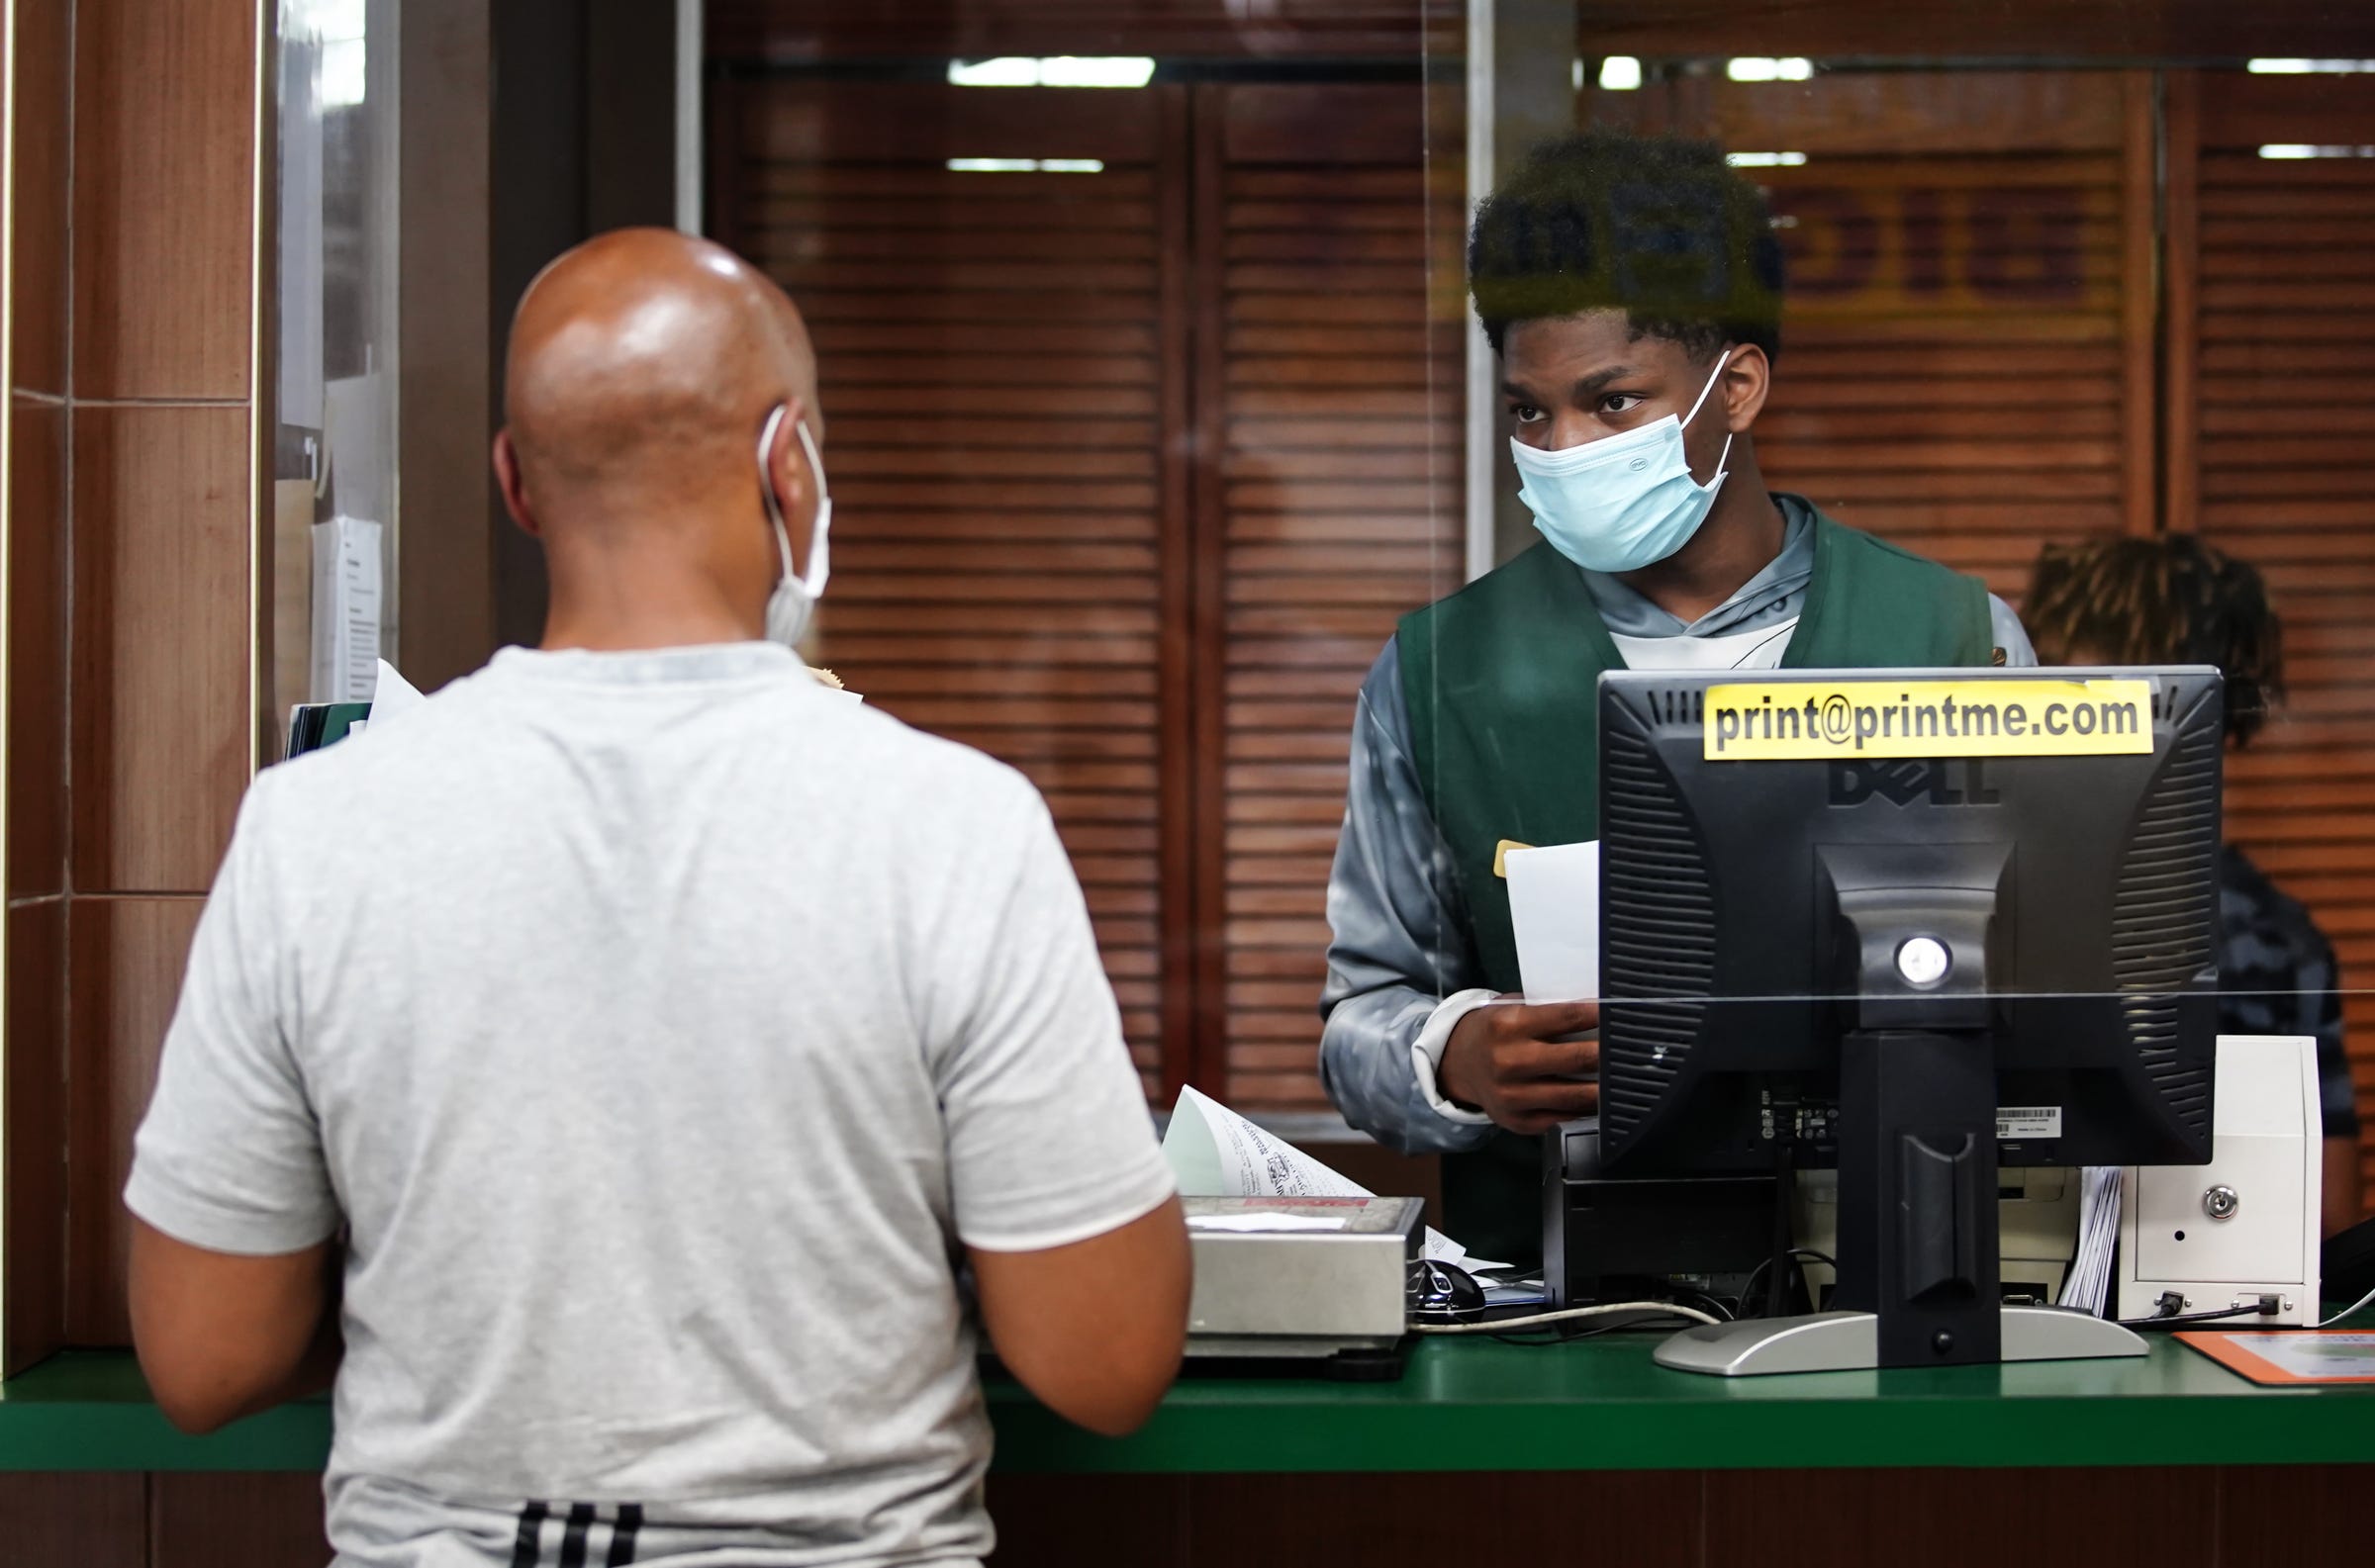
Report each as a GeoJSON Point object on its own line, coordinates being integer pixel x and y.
{"type": "Point", "coordinates": [1555, 913]}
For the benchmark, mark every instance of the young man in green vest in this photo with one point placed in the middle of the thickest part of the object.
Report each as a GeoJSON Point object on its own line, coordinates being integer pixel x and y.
{"type": "Point", "coordinates": [1631, 288]}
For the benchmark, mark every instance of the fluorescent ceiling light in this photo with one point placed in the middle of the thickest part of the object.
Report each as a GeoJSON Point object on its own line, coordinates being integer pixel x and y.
{"type": "Point", "coordinates": [1005, 71]}
{"type": "Point", "coordinates": [1026, 166]}
{"type": "Point", "coordinates": [2311, 67]}
{"type": "Point", "coordinates": [1749, 69]}
{"type": "Point", "coordinates": [1060, 70]}
{"type": "Point", "coordinates": [1092, 70]}
{"type": "Point", "coordinates": [1764, 161]}
{"type": "Point", "coordinates": [1620, 73]}
{"type": "Point", "coordinates": [2302, 149]}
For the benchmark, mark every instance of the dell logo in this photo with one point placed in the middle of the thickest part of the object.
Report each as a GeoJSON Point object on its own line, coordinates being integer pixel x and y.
{"type": "Point", "coordinates": [1953, 782]}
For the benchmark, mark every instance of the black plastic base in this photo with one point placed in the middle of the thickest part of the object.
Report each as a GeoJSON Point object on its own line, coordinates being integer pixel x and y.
{"type": "Point", "coordinates": [1917, 1194]}
{"type": "Point", "coordinates": [1608, 1240]}
{"type": "Point", "coordinates": [1365, 1366]}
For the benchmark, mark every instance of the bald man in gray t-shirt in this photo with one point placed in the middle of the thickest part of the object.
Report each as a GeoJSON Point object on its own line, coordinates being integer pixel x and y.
{"type": "Point", "coordinates": [640, 1035]}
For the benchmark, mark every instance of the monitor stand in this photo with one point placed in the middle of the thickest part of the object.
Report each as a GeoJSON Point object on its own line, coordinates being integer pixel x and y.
{"type": "Point", "coordinates": [1917, 1231]}
{"type": "Point", "coordinates": [1849, 1342]}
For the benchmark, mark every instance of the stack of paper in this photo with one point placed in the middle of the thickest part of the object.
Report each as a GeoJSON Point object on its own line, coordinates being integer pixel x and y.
{"type": "Point", "coordinates": [1217, 1153]}
{"type": "Point", "coordinates": [2087, 1286]}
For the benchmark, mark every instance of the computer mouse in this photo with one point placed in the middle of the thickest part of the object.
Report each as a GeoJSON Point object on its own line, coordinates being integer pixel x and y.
{"type": "Point", "coordinates": [1443, 1287]}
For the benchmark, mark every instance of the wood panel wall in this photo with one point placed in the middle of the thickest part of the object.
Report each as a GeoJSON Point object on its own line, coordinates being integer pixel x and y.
{"type": "Point", "coordinates": [133, 715]}
{"type": "Point", "coordinates": [1005, 435]}
{"type": "Point", "coordinates": [166, 1521]}
{"type": "Point", "coordinates": [2046, 30]}
{"type": "Point", "coordinates": [772, 31]}
{"type": "Point", "coordinates": [1329, 503]}
{"type": "Point", "coordinates": [2205, 1517]}
{"type": "Point", "coordinates": [1136, 468]}
{"type": "Point", "coordinates": [2272, 428]}
{"type": "Point", "coordinates": [33, 941]}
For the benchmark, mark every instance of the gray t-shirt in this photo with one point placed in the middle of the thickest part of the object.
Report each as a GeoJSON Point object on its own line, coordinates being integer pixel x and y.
{"type": "Point", "coordinates": [658, 1024]}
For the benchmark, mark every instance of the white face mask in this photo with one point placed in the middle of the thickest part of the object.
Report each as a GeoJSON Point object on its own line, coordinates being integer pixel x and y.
{"type": "Point", "coordinates": [1623, 501]}
{"type": "Point", "coordinates": [793, 600]}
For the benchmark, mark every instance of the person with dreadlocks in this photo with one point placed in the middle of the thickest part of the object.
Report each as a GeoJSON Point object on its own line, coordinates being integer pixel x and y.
{"type": "Point", "coordinates": [2175, 600]}
{"type": "Point", "coordinates": [1632, 290]}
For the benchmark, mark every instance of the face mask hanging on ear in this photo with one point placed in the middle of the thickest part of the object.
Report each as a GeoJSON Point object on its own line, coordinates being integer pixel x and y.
{"type": "Point", "coordinates": [794, 601]}
{"type": "Point", "coordinates": [1623, 501]}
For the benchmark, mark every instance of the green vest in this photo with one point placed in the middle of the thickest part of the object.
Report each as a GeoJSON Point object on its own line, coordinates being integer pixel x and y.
{"type": "Point", "coordinates": [1501, 683]}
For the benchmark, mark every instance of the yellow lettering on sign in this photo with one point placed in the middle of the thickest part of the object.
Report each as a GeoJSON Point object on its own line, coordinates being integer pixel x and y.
{"type": "Point", "coordinates": [1771, 720]}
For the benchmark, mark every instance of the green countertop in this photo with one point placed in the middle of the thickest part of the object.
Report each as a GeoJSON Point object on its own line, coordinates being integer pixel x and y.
{"type": "Point", "coordinates": [1600, 1404]}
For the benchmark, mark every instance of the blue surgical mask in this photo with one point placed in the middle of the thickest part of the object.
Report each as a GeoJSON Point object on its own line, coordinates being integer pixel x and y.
{"type": "Point", "coordinates": [1623, 501]}
{"type": "Point", "coordinates": [793, 600]}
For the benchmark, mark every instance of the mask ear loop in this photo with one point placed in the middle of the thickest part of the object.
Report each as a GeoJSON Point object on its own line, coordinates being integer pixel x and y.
{"type": "Point", "coordinates": [821, 534]}
{"type": "Point", "coordinates": [775, 510]}
{"type": "Point", "coordinates": [1722, 364]}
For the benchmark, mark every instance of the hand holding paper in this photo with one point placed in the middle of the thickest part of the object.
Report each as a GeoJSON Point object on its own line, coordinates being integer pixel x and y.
{"type": "Point", "coordinates": [1519, 1063]}
{"type": "Point", "coordinates": [1519, 1060]}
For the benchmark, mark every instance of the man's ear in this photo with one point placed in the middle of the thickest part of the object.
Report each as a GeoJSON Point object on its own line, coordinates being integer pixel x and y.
{"type": "Point", "coordinates": [514, 488]}
{"type": "Point", "coordinates": [1747, 379]}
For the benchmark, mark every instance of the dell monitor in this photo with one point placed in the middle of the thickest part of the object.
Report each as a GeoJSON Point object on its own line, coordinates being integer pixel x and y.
{"type": "Point", "coordinates": [1913, 924]}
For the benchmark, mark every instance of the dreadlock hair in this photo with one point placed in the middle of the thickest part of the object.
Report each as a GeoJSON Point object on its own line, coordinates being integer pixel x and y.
{"type": "Point", "coordinates": [1658, 228]}
{"type": "Point", "coordinates": [2171, 599]}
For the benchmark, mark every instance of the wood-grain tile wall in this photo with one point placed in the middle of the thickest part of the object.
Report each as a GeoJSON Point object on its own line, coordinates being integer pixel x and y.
{"type": "Point", "coordinates": [37, 649]}
{"type": "Point", "coordinates": [164, 213]}
{"type": "Point", "coordinates": [129, 626]}
{"type": "Point", "coordinates": [33, 1157]}
{"type": "Point", "coordinates": [33, 869]}
{"type": "Point", "coordinates": [41, 90]}
{"type": "Point", "coordinates": [124, 963]}
{"type": "Point", "coordinates": [162, 643]}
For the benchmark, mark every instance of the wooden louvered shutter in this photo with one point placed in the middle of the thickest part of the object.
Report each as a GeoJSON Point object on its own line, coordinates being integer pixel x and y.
{"type": "Point", "coordinates": [1328, 505]}
{"type": "Point", "coordinates": [1005, 394]}
{"type": "Point", "coordinates": [1170, 30]}
{"type": "Point", "coordinates": [2272, 338]}
{"type": "Point", "coordinates": [1967, 355]}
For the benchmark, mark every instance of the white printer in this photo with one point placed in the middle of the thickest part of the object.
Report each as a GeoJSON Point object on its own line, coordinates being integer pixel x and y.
{"type": "Point", "coordinates": [2244, 1225]}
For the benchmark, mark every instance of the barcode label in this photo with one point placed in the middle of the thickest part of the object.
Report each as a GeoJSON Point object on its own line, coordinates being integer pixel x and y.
{"type": "Point", "coordinates": [2027, 1121]}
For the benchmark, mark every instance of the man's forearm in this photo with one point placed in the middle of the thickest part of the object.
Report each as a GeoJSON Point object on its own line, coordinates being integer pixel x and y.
{"type": "Point", "coordinates": [1366, 1061]}
{"type": "Point", "coordinates": [317, 1371]}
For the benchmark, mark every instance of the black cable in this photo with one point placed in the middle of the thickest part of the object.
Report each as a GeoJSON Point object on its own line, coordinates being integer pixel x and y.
{"type": "Point", "coordinates": [1726, 1310]}
{"type": "Point", "coordinates": [1748, 1292]}
{"type": "Point", "coordinates": [2265, 1307]}
{"type": "Point", "coordinates": [2229, 1315]}
{"type": "Point", "coordinates": [1569, 1334]}
{"type": "Point", "coordinates": [1776, 1297]}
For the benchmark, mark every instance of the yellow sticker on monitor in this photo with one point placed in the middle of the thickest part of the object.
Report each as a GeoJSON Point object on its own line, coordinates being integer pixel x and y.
{"type": "Point", "coordinates": [1770, 720]}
